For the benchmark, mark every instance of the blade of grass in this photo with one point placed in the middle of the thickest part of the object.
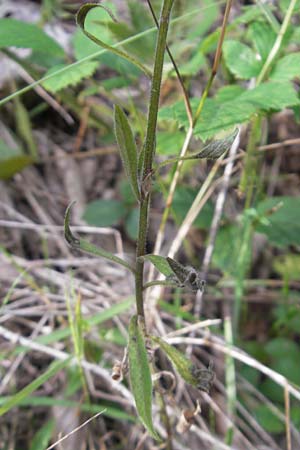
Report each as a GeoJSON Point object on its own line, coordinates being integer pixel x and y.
{"type": "Point", "coordinates": [16, 399]}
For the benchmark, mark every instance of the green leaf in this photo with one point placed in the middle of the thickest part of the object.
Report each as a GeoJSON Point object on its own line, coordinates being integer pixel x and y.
{"type": "Point", "coordinates": [200, 378]}
{"type": "Point", "coordinates": [80, 19]}
{"type": "Point", "coordinates": [42, 438]}
{"type": "Point", "coordinates": [108, 411]}
{"type": "Point", "coordinates": [70, 78]}
{"type": "Point", "coordinates": [183, 199]}
{"type": "Point", "coordinates": [287, 68]}
{"type": "Point", "coordinates": [283, 216]}
{"type": "Point", "coordinates": [217, 148]}
{"type": "Point", "coordinates": [288, 266]}
{"type": "Point", "coordinates": [169, 142]}
{"type": "Point", "coordinates": [281, 347]}
{"type": "Point", "coordinates": [127, 148]}
{"type": "Point", "coordinates": [140, 375]}
{"type": "Point", "coordinates": [15, 400]}
{"type": "Point", "coordinates": [217, 116]}
{"type": "Point", "coordinates": [26, 35]}
{"type": "Point", "coordinates": [267, 419]}
{"type": "Point", "coordinates": [104, 213]}
{"type": "Point", "coordinates": [241, 60]}
{"type": "Point", "coordinates": [87, 247]}
{"type": "Point", "coordinates": [263, 38]}
{"type": "Point", "coordinates": [12, 160]}
{"type": "Point", "coordinates": [160, 263]}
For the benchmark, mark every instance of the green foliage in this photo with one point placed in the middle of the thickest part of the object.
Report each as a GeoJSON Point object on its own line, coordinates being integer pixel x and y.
{"type": "Point", "coordinates": [263, 38]}
{"type": "Point", "coordinates": [160, 263]}
{"type": "Point", "coordinates": [42, 437]}
{"type": "Point", "coordinates": [222, 115]}
{"type": "Point", "coordinates": [12, 160]}
{"type": "Point", "coordinates": [200, 378]}
{"type": "Point", "coordinates": [104, 213]}
{"type": "Point", "coordinates": [183, 199]}
{"type": "Point", "coordinates": [70, 77]}
{"type": "Point", "coordinates": [140, 375]}
{"type": "Point", "coordinates": [127, 148]}
{"type": "Point", "coordinates": [267, 419]}
{"type": "Point", "coordinates": [26, 35]}
{"type": "Point", "coordinates": [283, 215]}
{"type": "Point", "coordinates": [81, 17]}
{"type": "Point", "coordinates": [17, 399]}
{"type": "Point", "coordinates": [241, 60]}
{"type": "Point", "coordinates": [287, 68]}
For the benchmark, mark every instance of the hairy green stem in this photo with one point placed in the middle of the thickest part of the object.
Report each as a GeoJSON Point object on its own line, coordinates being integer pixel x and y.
{"type": "Point", "coordinates": [149, 149]}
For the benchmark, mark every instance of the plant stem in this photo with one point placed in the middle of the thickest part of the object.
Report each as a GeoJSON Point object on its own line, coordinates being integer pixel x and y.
{"type": "Point", "coordinates": [149, 149]}
{"type": "Point", "coordinates": [189, 134]}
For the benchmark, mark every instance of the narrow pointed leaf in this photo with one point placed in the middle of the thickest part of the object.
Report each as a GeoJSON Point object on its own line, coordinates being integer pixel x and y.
{"type": "Point", "coordinates": [127, 148]}
{"type": "Point", "coordinates": [86, 246]}
{"type": "Point", "coordinates": [80, 19]}
{"type": "Point", "coordinates": [160, 263]}
{"type": "Point", "coordinates": [200, 378]}
{"type": "Point", "coordinates": [217, 148]}
{"type": "Point", "coordinates": [140, 376]}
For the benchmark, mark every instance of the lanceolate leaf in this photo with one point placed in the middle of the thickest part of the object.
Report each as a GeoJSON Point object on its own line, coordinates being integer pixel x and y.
{"type": "Point", "coordinates": [140, 375]}
{"type": "Point", "coordinates": [87, 247]}
{"type": "Point", "coordinates": [127, 148]}
{"type": "Point", "coordinates": [217, 148]}
{"type": "Point", "coordinates": [200, 378]}
{"type": "Point", "coordinates": [80, 18]}
{"type": "Point", "coordinates": [160, 263]}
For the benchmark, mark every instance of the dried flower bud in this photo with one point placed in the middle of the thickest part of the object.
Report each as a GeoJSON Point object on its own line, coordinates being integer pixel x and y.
{"type": "Point", "coordinates": [187, 419]}
{"type": "Point", "coordinates": [117, 371]}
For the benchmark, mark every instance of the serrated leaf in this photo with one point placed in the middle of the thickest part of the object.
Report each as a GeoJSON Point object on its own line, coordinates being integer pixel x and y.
{"type": "Point", "coordinates": [217, 116]}
{"type": "Point", "coordinates": [160, 263]}
{"type": "Point", "coordinates": [200, 378]}
{"type": "Point", "coordinates": [86, 246]}
{"type": "Point", "coordinates": [104, 213]}
{"type": "Point", "coordinates": [241, 60]}
{"type": "Point", "coordinates": [140, 376]}
{"type": "Point", "coordinates": [27, 35]}
{"type": "Point", "coordinates": [263, 38]}
{"type": "Point", "coordinates": [127, 148]}
{"type": "Point", "coordinates": [80, 19]}
{"type": "Point", "coordinates": [69, 78]}
{"type": "Point", "coordinates": [12, 160]}
{"type": "Point", "coordinates": [283, 227]}
{"type": "Point", "coordinates": [287, 68]}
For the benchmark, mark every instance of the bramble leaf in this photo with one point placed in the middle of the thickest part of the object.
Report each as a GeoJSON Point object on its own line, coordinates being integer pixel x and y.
{"type": "Point", "coordinates": [287, 68]}
{"type": "Point", "coordinates": [69, 78]}
{"type": "Point", "coordinates": [241, 60]}
{"type": "Point", "coordinates": [140, 375]}
{"type": "Point", "coordinates": [127, 148]}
